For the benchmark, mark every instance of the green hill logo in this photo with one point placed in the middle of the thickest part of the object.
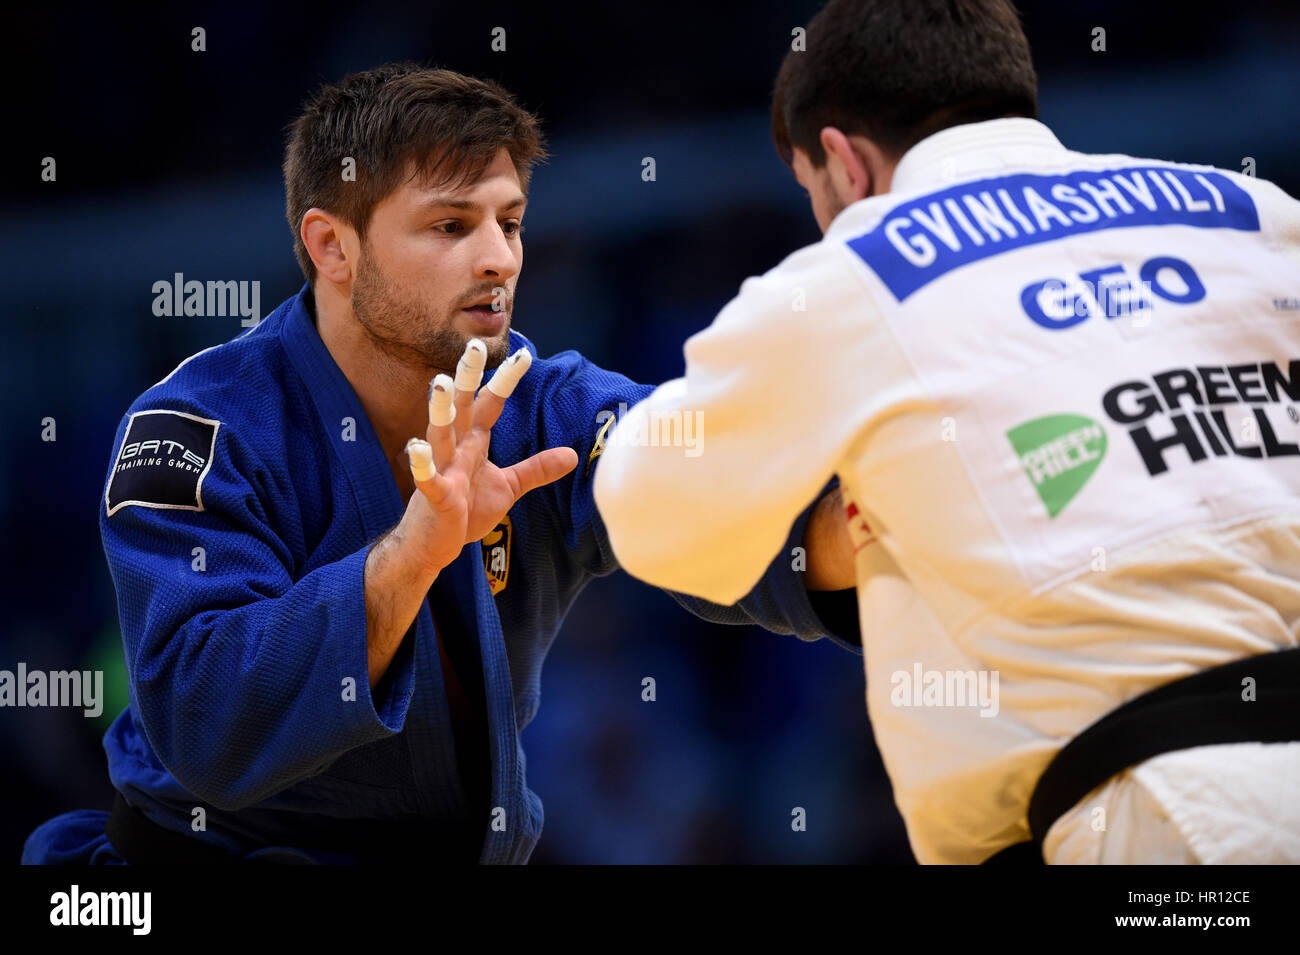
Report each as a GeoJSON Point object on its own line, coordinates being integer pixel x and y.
{"type": "Point", "coordinates": [1059, 453]}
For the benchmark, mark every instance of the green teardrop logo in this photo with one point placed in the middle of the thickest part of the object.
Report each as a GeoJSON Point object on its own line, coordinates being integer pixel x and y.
{"type": "Point", "coordinates": [1059, 454]}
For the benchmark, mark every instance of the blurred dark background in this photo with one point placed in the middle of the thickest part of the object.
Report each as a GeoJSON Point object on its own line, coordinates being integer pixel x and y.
{"type": "Point", "coordinates": [168, 161]}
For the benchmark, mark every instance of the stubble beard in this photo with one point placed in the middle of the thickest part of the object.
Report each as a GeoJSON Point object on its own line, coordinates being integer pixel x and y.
{"type": "Point", "coordinates": [405, 331]}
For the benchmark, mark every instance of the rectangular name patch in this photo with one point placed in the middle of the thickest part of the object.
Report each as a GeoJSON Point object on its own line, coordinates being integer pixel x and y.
{"type": "Point", "coordinates": [162, 461]}
{"type": "Point", "coordinates": [926, 238]}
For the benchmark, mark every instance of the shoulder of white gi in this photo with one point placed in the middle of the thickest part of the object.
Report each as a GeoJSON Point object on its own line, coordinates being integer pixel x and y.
{"type": "Point", "coordinates": [700, 483]}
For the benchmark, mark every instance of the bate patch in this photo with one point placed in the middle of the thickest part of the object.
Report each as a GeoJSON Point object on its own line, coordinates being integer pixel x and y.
{"type": "Point", "coordinates": [162, 461]}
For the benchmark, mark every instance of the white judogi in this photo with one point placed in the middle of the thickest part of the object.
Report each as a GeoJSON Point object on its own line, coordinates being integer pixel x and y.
{"type": "Point", "coordinates": [1058, 391]}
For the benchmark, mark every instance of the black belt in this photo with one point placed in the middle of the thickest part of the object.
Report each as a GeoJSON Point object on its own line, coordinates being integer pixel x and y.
{"type": "Point", "coordinates": [141, 841]}
{"type": "Point", "coordinates": [1204, 709]}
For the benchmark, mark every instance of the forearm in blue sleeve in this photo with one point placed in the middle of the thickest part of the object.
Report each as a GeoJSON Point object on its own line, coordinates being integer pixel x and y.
{"type": "Point", "coordinates": [244, 681]}
{"type": "Point", "coordinates": [780, 601]}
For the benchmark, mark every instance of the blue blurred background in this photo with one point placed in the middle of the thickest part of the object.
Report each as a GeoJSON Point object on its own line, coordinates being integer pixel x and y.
{"type": "Point", "coordinates": [168, 161]}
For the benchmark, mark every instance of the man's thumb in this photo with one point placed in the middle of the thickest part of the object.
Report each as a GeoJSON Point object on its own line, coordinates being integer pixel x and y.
{"type": "Point", "coordinates": [542, 468]}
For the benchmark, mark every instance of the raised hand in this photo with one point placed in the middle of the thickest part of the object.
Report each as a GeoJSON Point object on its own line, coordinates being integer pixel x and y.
{"type": "Point", "coordinates": [465, 494]}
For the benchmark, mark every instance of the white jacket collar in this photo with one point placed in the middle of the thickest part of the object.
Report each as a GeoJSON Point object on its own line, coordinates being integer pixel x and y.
{"type": "Point", "coordinates": [975, 149]}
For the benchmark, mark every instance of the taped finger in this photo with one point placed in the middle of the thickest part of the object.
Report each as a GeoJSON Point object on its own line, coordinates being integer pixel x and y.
{"type": "Point", "coordinates": [442, 411]}
{"type": "Point", "coordinates": [512, 369]}
{"type": "Point", "coordinates": [420, 454]}
{"type": "Point", "coordinates": [469, 371]}
{"type": "Point", "coordinates": [441, 415]}
{"type": "Point", "coordinates": [469, 374]}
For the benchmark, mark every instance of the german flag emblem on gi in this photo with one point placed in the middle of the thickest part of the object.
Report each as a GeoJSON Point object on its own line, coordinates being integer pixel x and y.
{"type": "Point", "coordinates": [496, 555]}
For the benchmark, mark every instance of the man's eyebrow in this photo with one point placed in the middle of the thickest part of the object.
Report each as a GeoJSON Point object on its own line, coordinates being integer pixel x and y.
{"type": "Point", "coordinates": [446, 202]}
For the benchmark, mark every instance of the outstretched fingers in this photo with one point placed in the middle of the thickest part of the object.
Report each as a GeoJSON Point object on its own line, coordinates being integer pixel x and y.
{"type": "Point", "coordinates": [469, 374]}
{"type": "Point", "coordinates": [440, 433]}
{"type": "Point", "coordinates": [428, 481]}
{"type": "Point", "coordinates": [487, 409]}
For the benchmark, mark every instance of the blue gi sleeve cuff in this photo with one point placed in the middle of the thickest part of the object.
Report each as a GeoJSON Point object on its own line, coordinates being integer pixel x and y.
{"type": "Point", "coordinates": [838, 612]}
{"type": "Point", "coordinates": [789, 589]}
{"type": "Point", "coordinates": [387, 703]}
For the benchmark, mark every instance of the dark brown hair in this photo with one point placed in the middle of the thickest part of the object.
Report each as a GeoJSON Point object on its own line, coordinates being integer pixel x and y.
{"type": "Point", "coordinates": [395, 122]}
{"type": "Point", "coordinates": [897, 71]}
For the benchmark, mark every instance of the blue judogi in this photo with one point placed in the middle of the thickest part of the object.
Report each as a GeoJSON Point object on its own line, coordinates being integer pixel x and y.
{"type": "Point", "coordinates": [250, 698]}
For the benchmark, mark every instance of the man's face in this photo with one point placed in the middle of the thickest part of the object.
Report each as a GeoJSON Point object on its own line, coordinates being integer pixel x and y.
{"type": "Point", "coordinates": [436, 261]}
{"type": "Point", "coordinates": [826, 202]}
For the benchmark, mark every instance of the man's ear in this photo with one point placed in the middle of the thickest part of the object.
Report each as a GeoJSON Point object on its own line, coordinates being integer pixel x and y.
{"type": "Point", "coordinates": [323, 235]}
{"type": "Point", "coordinates": [848, 166]}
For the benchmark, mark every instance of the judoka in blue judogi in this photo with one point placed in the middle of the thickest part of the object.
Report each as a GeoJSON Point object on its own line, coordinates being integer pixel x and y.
{"type": "Point", "coordinates": [245, 491]}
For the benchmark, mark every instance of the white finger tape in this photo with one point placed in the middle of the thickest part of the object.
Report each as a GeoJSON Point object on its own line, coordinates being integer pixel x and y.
{"type": "Point", "coordinates": [469, 372]}
{"type": "Point", "coordinates": [441, 410]}
{"type": "Point", "coordinates": [421, 455]}
{"type": "Point", "coordinates": [512, 369]}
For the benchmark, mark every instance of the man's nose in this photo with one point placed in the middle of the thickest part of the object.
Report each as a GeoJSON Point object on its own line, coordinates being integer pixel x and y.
{"type": "Point", "coordinates": [495, 259]}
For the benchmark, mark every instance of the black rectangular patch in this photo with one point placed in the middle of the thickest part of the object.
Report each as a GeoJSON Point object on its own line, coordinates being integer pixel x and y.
{"type": "Point", "coordinates": [162, 461]}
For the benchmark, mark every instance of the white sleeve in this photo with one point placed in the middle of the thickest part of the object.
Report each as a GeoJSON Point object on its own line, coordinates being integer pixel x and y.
{"type": "Point", "coordinates": [768, 399]}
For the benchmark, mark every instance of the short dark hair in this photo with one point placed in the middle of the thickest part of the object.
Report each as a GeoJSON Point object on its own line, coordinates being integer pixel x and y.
{"type": "Point", "coordinates": [396, 121]}
{"type": "Point", "coordinates": [897, 71]}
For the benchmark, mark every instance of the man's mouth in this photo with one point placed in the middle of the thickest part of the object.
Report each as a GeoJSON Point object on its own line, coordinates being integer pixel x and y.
{"type": "Point", "coordinates": [486, 315]}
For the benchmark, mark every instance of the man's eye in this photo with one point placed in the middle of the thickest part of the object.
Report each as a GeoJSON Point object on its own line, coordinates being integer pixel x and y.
{"type": "Point", "coordinates": [448, 228]}
{"type": "Point", "coordinates": [513, 228]}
